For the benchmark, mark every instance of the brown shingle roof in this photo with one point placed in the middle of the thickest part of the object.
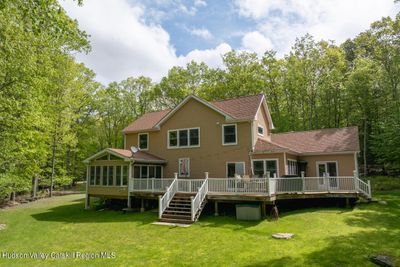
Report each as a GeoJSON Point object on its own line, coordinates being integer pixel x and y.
{"type": "Point", "coordinates": [241, 108]}
{"type": "Point", "coordinates": [146, 122]}
{"type": "Point", "coordinates": [266, 146]}
{"type": "Point", "coordinates": [138, 156]}
{"type": "Point", "coordinates": [317, 141]}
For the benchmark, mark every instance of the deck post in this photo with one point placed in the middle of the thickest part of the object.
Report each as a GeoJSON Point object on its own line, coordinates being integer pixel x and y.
{"type": "Point", "coordinates": [142, 205]}
{"type": "Point", "coordinates": [304, 182]}
{"type": "Point", "coordinates": [263, 209]}
{"type": "Point", "coordinates": [129, 204]}
{"type": "Point", "coordinates": [355, 180]}
{"type": "Point", "coordinates": [369, 189]}
{"type": "Point", "coordinates": [327, 182]}
{"type": "Point", "coordinates": [216, 208]}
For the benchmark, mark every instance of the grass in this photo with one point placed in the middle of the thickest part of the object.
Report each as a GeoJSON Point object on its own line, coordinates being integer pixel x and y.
{"type": "Point", "coordinates": [323, 236]}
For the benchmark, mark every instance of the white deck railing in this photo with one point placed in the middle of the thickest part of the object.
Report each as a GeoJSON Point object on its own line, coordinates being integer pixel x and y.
{"type": "Point", "coordinates": [167, 197]}
{"type": "Point", "coordinates": [238, 186]}
{"type": "Point", "coordinates": [150, 184]}
{"type": "Point", "coordinates": [189, 185]}
{"type": "Point", "coordinates": [257, 186]}
{"type": "Point", "coordinates": [199, 198]}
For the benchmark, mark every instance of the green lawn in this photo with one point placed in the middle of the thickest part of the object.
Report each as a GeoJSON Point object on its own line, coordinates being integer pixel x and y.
{"type": "Point", "coordinates": [324, 236]}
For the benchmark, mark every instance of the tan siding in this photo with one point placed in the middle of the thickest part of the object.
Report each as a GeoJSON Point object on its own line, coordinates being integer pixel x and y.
{"type": "Point", "coordinates": [346, 164]}
{"type": "Point", "coordinates": [261, 119]}
{"type": "Point", "coordinates": [211, 156]}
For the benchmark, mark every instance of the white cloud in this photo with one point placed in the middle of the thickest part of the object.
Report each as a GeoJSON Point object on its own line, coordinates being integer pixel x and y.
{"type": "Point", "coordinates": [284, 20]}
{"type": "Point", "coordinates": [201, 32]}
{"type": "Point", "coordinates": [212, 57]}
{"type": "Point", "coordinates": [200, 3]}
{"type": "Point", "coordinates": [256, 42]}
{"type": "Point", "coordinates": [124, 45]}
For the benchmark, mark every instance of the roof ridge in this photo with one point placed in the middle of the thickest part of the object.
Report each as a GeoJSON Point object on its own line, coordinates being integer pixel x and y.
{"type": "Point", "coordinates": [234, 98]}
{"type": "Point", "coordinates": [314, 130]}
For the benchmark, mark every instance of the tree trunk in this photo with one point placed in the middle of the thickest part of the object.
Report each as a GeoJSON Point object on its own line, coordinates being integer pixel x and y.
{"type": "Point", "coordinates": [365, 147]}
{"type": "Point", "coordinates": [53, 165]}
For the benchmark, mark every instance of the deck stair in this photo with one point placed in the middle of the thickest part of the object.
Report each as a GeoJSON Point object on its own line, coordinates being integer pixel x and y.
{"type": "Point", "coordinates": [178, 210]}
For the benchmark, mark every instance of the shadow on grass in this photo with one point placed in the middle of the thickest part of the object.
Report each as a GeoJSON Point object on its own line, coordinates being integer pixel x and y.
{"type": "Point", "coordinates": [75, 213]}
{"type": "Point", "coordinates": [379, 234]}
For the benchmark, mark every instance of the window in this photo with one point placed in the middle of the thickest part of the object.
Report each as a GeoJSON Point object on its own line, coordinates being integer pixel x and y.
{"type": "Point", "coordinates": [118, 175]}
{"type": "Point", "coordinates": [233, 168]}
{"type": "Point", "coordinates": [147, 171]}
{"type": "Point", "coordinates": [328, 167]}
{"type": "Point", "coordinates": [262, 166]}
{"type": "Point", "coordinates": [125, 175]}
{"type": "Point", "coordinates": [229, 134]}
{"type": "Point", "coordinates": [194, 137]}
{"type": "Point", "coordinates": [173, 138]}
{"type": "Point", "coordinates": [92, 175]}
{"type": "Point", "coordinates": [98, 175]}
{"type": "Point", "coordinates": [143, 141]}
{"type": "Point", "coordinates": [184, 138]}
{"type": "Point", "coordinates": [110, 175]}
{"type": "Point", "coordinates": [292, 167]}
{"type": "Point", "coordinates": [260, 130]}
{"type": "Point", "coordinates": [184, 167]}
{"type": "Point", "coordinates": [105, 175]}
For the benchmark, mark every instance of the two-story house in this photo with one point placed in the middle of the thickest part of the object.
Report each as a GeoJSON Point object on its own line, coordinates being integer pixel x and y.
{"type": "Point", "coordinates": [230, 145]}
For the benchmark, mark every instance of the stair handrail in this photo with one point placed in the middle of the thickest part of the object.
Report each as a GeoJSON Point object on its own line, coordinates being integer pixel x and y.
{"type": "Point", "coordinates": [364, 187]}
{"type": "Point", "coordinates": [199, 198]}
{"type": "Point", "coordinates": [167, 197]}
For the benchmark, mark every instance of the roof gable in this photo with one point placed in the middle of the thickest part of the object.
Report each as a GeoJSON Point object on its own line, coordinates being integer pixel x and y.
{"type": "Point", "coordinates": [181, 104]}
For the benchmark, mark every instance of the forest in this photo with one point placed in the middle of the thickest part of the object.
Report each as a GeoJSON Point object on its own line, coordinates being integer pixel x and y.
{"type": "Point", "coordinates": [54, 114]}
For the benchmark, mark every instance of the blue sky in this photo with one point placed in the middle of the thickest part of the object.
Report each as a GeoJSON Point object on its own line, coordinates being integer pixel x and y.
{"type": "Point", "coordinates": [133, 38]}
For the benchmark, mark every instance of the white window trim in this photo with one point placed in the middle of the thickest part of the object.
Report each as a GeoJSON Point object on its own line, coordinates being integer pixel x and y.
{"type": "Point", "coordinates": [177, 136]}
{"type": "Point", "coordinates": [222, 135]}
{"type": "Point", "coordinates": [297, 169]}
{"type": "Point", "coordinates": [326, 166]}
{"type": "Point", "coordinates": [263, 131]}
{"type": "Point", "coordinates": [179, 167]}
{"type": "Point", "coordinates": [228, 162]}
{"type": "Point", "coordinates": [265, 165]}
{"type": "Point", "coordinates": [143, 149]}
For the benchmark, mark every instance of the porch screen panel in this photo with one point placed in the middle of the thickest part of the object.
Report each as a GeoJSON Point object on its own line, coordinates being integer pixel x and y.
{"type": "Point", "coordinates": [143, 172]}
{"type": "Point", "coordinates": [136, 172]}
{"type": "Point", "coordinates": [258, 168]}
{"type": "Point", "coordinates": [92, 172]}
{"type": "Point", "coordinates": [158, 171]}
{"type": "Point", "coordinates": [110, 175]}
{"type": "Point", "coordinates": [105, 175]}
{"type": "Point", "coordinates": [151, 172]}
{"type": "Point", "coordinates": [98, 175]}
{"type": "Point", "coordinates": [118, 174]}
{"type": "Point", "coordinates": [125, 175]}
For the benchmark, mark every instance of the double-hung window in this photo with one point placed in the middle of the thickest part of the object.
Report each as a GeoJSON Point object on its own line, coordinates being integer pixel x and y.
{"type": "Point", "coordinates": [181, 138]}
{"type": "Point", "coordinates": [229, 134]}
{"type": "Point", "coordinates": [143, 141]}
{"type": "Point", "coordinates": [262, 166]}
